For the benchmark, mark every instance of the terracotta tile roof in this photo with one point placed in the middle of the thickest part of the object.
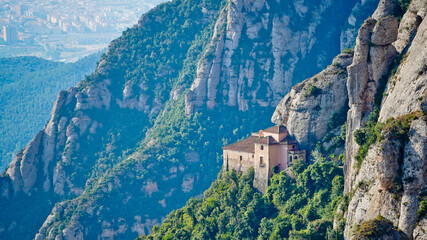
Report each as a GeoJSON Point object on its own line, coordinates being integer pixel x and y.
{"type": "Point", "coordinates": [245, 145]}
{"type": "Point", "coordinates": [276, 129]}
{"type": "Point", "coordinates": [266, 140]}
{"type": "Point", "coordinates": [248, 144]}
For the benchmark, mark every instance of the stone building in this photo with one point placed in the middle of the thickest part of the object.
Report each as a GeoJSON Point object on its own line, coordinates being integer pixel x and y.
{"type": "Point", "coordinates": [266, 150]}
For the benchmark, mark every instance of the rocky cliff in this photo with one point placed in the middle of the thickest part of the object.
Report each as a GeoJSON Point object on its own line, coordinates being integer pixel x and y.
{"type": "Point", "coordinates": [394, 167]}
{"type": "Point", "coordinates": [385, 150]}
{"type": "Point", "coordinates": [261, 48]}
{"type": "Point", "coordinates": [140, 136]}
{"type": "Point", "coordinates": [309, 105]}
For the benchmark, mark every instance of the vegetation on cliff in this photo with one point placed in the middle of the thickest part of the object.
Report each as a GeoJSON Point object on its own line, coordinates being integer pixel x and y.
{"type": "Point", "coordinates": [28, 87]}
{"type": "Point", "coordinates": [294, 208]}
{"type": "Point", "coordinates": [378, 228]}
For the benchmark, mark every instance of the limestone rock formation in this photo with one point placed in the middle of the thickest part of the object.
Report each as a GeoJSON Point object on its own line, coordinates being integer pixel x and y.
{"type": "Point", "coordinates": [393, 174]}
{"type": "Point", "coordinates": [311, 103]}
{"type": "Point", "coordinates": [371, 63]}
{"type": "Point", "coordinates": [386, 81]}
{"type": "Point", "coordinates": [229, 73]}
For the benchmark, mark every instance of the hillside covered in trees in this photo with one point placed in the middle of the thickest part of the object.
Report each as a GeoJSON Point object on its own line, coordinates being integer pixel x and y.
{"type": "Point", "coordinates": [28, 87]}
{"type": "Point", "coordinates": [297, 207]}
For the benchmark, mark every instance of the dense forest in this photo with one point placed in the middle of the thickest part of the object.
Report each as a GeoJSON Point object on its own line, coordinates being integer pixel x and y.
{"type": "Point", "coordinates": [28, 87]}
{"type": "Point", "coordinates": [299, 204]}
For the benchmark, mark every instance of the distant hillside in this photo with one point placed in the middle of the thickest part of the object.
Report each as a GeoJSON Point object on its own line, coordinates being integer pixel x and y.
{"type": "Point", "coordinates": [28, 87]}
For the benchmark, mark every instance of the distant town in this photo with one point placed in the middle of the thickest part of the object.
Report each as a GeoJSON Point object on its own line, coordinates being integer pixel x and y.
{"type": "Point", "coordinates": [65, 30]}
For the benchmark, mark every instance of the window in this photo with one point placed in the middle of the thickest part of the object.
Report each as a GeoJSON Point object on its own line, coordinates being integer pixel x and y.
{"type": "Point", "coordinates": [261, 162]}
{"type": "Point", "coordinates": [290, 158]}
{"type": "Point", "coordinates": [262, 147]}
{"type": "Point", "coordinates": [241, 158]}
{"type": "Point", "coordinates": [252, 156]}
{"type": "Point", "coordinates": [296, 157]}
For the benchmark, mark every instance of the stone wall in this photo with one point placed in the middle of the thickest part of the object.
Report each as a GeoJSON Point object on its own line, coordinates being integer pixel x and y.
{"type": "Point", "coordinates": [262, 167]}
{"type": "Point", "coordinates": [232, 161]}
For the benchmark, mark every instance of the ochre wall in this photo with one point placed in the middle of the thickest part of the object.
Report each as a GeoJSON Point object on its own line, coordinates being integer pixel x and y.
{"type": "Point", "coordinates": [279, 156]}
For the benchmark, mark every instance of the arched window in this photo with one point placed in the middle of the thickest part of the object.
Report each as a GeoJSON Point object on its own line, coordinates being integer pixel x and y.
{"type": "Point", "coordinates": [290, 158]}
{"type": "Point", "coordinates": [261, 162]}
{"type": "Point", "coordinates": [262, 147]}
{"type": "Point", "coordinates": [296, 157]}
{"type": "Point", "coordinates": [241, 158]}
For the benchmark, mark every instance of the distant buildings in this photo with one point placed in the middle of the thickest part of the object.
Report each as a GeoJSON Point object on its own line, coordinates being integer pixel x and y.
{"type": "Point", "coordinates": [79, 26]}
{"type": "Point", "coordinates": [10, 35]}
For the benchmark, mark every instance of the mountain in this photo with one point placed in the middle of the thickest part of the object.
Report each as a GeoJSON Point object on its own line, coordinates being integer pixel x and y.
{"type": "Point", "coordinates": [368, 111]}
{"type": "Point", "coordinates": [29, 86]}
{"type": "Point", "coordinates": [385, 158]}
{"type": "Point", "coordinates": [143, 133]}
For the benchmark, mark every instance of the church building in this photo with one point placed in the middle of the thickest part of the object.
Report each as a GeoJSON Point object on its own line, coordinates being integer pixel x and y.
{"type": "Point", "coordinates": [268, 150]}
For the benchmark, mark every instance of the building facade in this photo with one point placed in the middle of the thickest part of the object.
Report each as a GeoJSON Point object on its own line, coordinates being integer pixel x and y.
{"type": "Point", "coordinates": [267, 151]}
{"type": "Point", "coordinates": [10, 35]}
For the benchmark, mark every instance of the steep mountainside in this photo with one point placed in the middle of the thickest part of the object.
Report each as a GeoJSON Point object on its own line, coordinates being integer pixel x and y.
{"type": "Point", "coordinates": [28, 87]}
{"type": "Point", "coordinates": [381, 87]}
{"type": "Point", "coordinates": [394, 167]}
{"type": "Point", "coordinates": [298, 207]}
{"type": "Point", "coordinates": [140, 136]}
{"type": "Point", "coordinates": [385, 151]}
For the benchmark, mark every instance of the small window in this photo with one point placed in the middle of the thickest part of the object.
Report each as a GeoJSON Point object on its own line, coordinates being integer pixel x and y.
{"type": "Point", "coordinates": [241, 158]}
{"type": "Point", "coordinates": [293, 146]}
{"type": "Point", "coordinates": [252, 156]}
{"type": "Point", "coordinates": [296, 157]}
{"type": "Point", "coordinates": [262, 147]}
{"type": "Point", "coordinates": [290, 158]}
{"type": "Point", "coordinates": [261, 161]}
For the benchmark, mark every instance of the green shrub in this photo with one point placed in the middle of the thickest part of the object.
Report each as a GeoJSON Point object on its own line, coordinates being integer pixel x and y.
{"type": "Point", "coordinates": [404, 4]}
{"type": "Point", "coordinates": [422, 209]}
{"type": "Point", "coordinates": [367, 136]}
{"type": "Point", "coordinates": [375, 228]}
{"type": "Point", "coordinates": [360, 137]}
{"type": "Point", "coordinates": [347, 50]}
{"type": "Point", "coordinates": [313, 91]}
{"type": "Point", "coordinates": [338, 118]}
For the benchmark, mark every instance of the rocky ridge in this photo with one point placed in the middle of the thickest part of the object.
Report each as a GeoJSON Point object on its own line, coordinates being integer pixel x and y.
{"type": "Point", "coordinates": [386, 81]}
{"type": "Point", "coordinates": [405, 94]}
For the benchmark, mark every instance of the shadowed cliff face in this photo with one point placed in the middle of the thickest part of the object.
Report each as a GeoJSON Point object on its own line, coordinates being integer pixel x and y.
{"type": "Point", "coordinates": [385, 150]}
{"type": "Point", "coordinates": [142, 134]}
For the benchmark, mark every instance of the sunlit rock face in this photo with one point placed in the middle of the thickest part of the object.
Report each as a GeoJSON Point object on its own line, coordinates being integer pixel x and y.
{"type": "Point", "coordinates": [260, 49]}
